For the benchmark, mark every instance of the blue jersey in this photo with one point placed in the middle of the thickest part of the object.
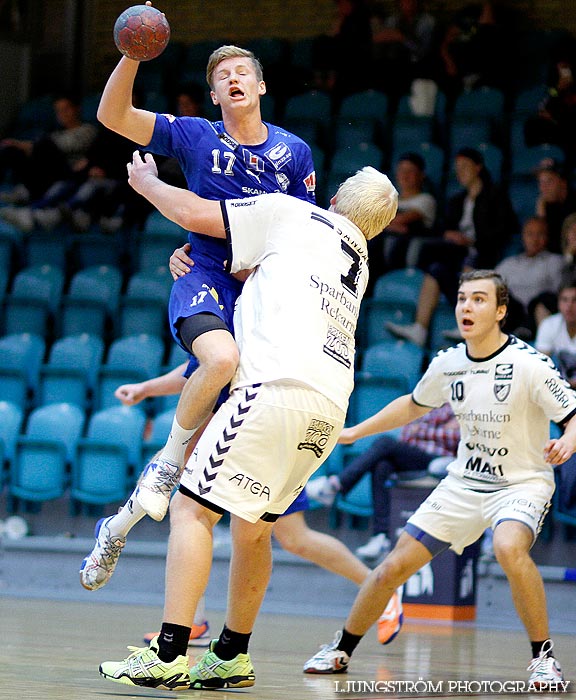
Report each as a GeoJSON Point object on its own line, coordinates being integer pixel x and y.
{"type": "Point", "coordinates": [217, 167]}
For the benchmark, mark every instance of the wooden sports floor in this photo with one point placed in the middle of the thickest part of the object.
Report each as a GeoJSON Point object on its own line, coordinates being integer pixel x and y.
{"type": "Point", "coordinates": [50, 650]}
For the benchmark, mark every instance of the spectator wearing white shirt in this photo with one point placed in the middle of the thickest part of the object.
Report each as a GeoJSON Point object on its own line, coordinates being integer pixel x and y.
{"type": "Point", "coordinates": [533, 278]}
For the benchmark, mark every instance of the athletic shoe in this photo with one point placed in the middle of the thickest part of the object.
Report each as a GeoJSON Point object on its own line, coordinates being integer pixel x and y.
{"type": "Point", "coordinates": [412, 331]}
{"type": "Point", "coordinates": [329, 659]}
{"type": "Point", "coordinates": [97, 568]}
{"type": "Point", "coordinates": [390, 622]}
{"type": "Point", "coordinates": [211, 672]}
{"type": "Point", "coordinates": [376, 547]}
{"type": "Point", "coordinates": [144, 669]}
{"type": "Point", "coordinates": [199, 635]}
{"type": "Point", "coordinates": [323, 489]}
{"type": "Point", "coordinates": [156, 485]}
{"type": "Point", "coordinates": [545, 669]}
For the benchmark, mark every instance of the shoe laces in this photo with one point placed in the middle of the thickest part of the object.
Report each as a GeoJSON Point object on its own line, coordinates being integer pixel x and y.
{"type": "Point", "coordinates": [166, 478]}
{"type": "Point", "coordinates": [111, 548]}
{"type": "Point", "coordinates": [333, 646]}
{"type": "Point", "coordinates": [543, 662]}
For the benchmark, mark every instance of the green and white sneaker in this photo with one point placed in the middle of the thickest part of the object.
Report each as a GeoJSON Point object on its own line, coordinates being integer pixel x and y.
{"type": "Point", "coordinates": [212, 672]}
{"type": "Point", "coordinates": [143, 668]}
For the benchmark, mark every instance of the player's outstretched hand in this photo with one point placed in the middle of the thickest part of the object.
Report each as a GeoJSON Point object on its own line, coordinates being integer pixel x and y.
{"type": "Point", "coordinates": [558, 450]}
{"type": "Point", "coordinates": [140, 169]}
{"type": "Point", "coordinates": [130, 394]}
{"type": "Point", "coordinates": [180, 263]}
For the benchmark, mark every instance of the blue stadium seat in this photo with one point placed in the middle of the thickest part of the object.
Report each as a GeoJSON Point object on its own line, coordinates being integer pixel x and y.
{"type": "Point", "coordinates": [525, 161]}
{"type": "Point", "coordinates": [156, 440]}
{"type": "Point", "coordinates": [401, 284]}
{"type": "Point", "coordinates": [11, 419]}
{"type": "Point", "coordinates": [39, 470]}
{"type": "Point", "coordinates": [101, 473]}
{"type": "Point", "coordinates": [366, 112]}
{"type": "Point", "coordinates": [131, 359]}
{"type": "Point", "coordinates": [309, 116]}
{"type": "Point", "coordinates": [92, 299]}
{"type": "Point", "coordinates": [144, 307]}
{"type": "Point", "coordinates": [71, 371]}
{"type": "Point", "coordinates": [395, 357]}
{"type": "Point", "coordinates": [35, 296]}
{"type": "Point", "coordinates": [21, 355]}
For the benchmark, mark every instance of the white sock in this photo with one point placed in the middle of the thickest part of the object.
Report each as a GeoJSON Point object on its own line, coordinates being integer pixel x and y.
{"type": "Point", "coordinates": [200, 615]}
{"type": "Point", "coordinates": [175, 447]}
{"type": "Point", "coordinates": [131, 514]}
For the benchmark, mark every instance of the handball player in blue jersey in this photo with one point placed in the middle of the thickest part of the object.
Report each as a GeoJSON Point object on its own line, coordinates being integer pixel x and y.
{"type": "Point", "coordinates": [239, 156]}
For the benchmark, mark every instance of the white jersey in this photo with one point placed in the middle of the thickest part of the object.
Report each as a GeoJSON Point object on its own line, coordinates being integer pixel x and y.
{"type": "Point", "coordinates": [296, 317]}
{"type": "Point", "coordinates": [504, 404]}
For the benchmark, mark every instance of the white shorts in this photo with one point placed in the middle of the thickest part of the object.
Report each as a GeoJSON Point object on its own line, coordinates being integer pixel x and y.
{"type": "Point", "coordinates": [456, 514]}
{"type": "Point", "coordinates": [261, 447]}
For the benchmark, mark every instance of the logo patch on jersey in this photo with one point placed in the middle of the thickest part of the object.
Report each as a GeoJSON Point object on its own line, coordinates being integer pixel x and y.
{"type": "Point", "coordinates": [252, 161]}
{"type": "Point", "coordinates": [504, 372]}
{"type": "Point", "coordinates": [228, 140]}
{"type": "Point", "coordinates": [283, 181]}
{"type": "Point", "coordinates": [279, 155]}
{"type": "Point", "coordinates": [317, 435]}
{"type": "Point", "coordinates": [502, 391]}
{"type": "Point", "coordinates": [310, 182]}
{"type": "Point", "coordinates": [170, 117]}
{"type": "Point", "coordinates": [336, 346]}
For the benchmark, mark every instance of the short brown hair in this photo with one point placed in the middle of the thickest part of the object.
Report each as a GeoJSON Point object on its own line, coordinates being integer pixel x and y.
{"type": "Point", "coordinates": [230, 51]}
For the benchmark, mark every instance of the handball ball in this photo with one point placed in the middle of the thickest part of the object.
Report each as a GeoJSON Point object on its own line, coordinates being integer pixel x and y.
{"type": "Point", "coordinates": [141, 32]}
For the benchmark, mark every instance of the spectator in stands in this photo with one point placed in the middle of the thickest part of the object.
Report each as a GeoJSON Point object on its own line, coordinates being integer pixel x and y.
{"type": "Point", "coordinates": [554, 121]}
{"type": "Point", "coordinates": [472, 48]}
{"type": "Point", "coordinates": [479, 223]}
{"type": "Point", "coordinates": [342, 59]}
{"type": "Point", "coordinates": [36, 165]}
{"type": "Point", "coordinates": [556, 199]}
{"type": "Point", "coordinates": [416, 214]}
{"type": "Point", "coordinates": [533, 278]}
{"type": "Point", "coordinates": [568, 237]}
{"type": "Point", "coordinates": [402, 46]}
{"type": "Point", "coordinates": [557, 334]}
{"type": "Point", "coordinates": [428, 443]}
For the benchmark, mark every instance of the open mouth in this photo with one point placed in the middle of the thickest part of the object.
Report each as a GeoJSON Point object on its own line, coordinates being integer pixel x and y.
{"type": "Point", "coordinates": [236, 92]}
{"type": "Point", "coordinates": [467, 323]}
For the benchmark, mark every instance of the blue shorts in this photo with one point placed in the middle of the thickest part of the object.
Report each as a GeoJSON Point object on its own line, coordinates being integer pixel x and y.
{"type": "Point", "coordinates": [300, 503]}
{"type": "Point", "coordinates": [205, 289]}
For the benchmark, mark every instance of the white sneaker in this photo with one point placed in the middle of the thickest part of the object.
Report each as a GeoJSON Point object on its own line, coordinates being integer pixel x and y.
{"type": "Point", "coordinates": [323, 489]}
{"type": "Point", "coordinates": [329, 659]}
{"type": "Point", "coordinates": [97, 568]}
{"type": "Point", "coordinates": [156, 486]}
{"type": "Point", "coordinates": [413, 332]}
{"type": "Point", "coordinates": [376, 547]}
{"type": "Point", "coordinates": [545, 669]}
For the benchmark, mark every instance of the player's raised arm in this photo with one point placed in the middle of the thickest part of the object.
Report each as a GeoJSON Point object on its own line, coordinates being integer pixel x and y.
{"type": "Point", "coordinates": [138, 41]}
{"type": "Point", "coordinates": [116, 111]}
{"type": "Point", "coordinates": [185, 208]}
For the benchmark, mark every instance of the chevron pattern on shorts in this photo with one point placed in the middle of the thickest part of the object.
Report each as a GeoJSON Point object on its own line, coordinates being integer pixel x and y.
{"type": "Point", "coordinates": [216, 459]}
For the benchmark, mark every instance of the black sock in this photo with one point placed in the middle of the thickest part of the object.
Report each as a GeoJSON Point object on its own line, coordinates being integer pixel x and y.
{"type": "Point", "coordinates": [172, 641]}
{"type": "Point", "coordinates": [537, 648]}
{"type": "Point", "coordinates": [230, 644]}
{"type": "Point", "coordinates": [349, 642]}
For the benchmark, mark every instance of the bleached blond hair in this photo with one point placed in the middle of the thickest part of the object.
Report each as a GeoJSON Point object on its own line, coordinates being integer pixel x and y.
{"type": "Point", "coordinates": [230, 51]}
{"type": "Point", "coordinates": [368, 199]}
